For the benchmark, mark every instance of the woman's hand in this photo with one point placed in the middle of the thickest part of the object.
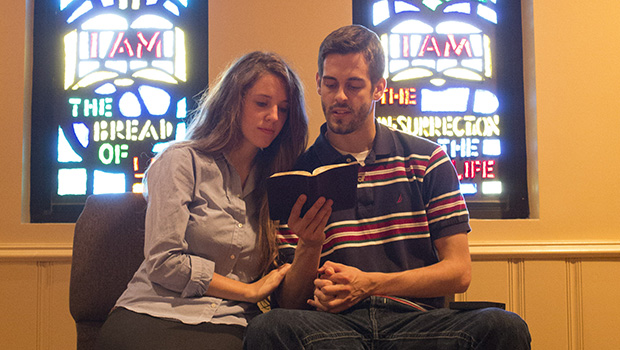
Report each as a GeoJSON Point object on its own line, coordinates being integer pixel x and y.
{"type": "Point", "coordinates": [262, 288]}
{"type": "Point", "coordinates": [310, 227]}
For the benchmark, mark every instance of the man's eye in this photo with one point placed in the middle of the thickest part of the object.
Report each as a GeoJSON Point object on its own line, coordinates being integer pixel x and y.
{"type": "Point", "coordinates": [355, 87]}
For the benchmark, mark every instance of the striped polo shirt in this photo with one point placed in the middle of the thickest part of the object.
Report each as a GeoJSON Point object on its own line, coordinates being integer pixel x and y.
{"type": "Point", "coordinates": [407, 196]}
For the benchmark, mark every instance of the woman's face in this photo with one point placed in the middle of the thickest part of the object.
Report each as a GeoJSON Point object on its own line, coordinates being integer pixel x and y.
{"type": "Point", "coordinates": [265, 109]}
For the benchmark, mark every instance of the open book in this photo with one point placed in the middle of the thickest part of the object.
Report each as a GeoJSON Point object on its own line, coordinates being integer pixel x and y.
{"type": "Point", "coordinates": [337, 182]}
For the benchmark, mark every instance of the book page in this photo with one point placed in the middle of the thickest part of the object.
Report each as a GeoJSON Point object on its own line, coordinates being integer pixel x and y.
{"type": "Point", "coordinates": [324, 168]}
{"type": "Point", "coordinates": [315, 172]}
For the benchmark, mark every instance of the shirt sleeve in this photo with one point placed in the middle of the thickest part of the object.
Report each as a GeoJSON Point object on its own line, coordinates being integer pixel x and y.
{"type": "Point", "coordinates": [287, 243]}
{"type": "Point", "coordinates": [445, 206]}
{"type": "Point", "coordinates": [170, 183]}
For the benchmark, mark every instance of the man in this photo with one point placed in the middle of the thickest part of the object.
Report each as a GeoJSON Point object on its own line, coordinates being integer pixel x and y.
{"type": "Point", "coordinates": [384, 266]}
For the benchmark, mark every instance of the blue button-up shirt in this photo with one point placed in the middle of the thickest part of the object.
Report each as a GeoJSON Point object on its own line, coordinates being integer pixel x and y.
{"type": "Point", "coordinates": [199, 221]}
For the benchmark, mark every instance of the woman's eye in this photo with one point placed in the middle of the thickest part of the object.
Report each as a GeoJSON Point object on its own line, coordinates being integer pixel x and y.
{"type": "Point", "coordinates": [261, 104]}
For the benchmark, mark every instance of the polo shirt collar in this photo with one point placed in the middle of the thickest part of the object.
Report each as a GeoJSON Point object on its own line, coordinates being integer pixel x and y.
{"type": "Point", "coordinates": [383, 145]}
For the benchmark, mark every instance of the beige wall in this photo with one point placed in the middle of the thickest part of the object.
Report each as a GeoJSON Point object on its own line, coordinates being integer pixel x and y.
{"type": "Point", "coordinates": [559, 271]}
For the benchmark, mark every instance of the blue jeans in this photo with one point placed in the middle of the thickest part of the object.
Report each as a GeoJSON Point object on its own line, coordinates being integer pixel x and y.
{"type": "Point", "coordinates": [381, 323]}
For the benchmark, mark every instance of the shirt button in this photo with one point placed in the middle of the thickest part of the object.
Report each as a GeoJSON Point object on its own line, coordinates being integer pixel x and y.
{"type": "Point", "coordinates": [349, 160]}
{"type": "Point", "coordinates": [232, 256]}
{"type": "Point", "coordinates": [240, 225]}
{"type": "Point", "coordinates": [213, 305]}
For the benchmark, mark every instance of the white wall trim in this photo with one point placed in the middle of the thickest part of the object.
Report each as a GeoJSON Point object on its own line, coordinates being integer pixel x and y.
{"type": "Point", "coordinates": [479, 251]}
{"type": "Point", "coordinates": [35, 252]}
{"type": "Point", "coordinates": [544, 250]}
{"type": "Point", "coordinates": [574, 298]}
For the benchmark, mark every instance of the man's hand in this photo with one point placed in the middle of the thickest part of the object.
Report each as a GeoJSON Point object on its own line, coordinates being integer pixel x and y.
{"type": "Point", "coordinates": [339, 287]}
{"type": "Point", "coordinates": [297, 286]}
{"type": "Point", "coordinates": [310, 227]}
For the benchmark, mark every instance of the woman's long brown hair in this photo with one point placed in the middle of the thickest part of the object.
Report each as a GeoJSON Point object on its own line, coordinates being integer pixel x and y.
{"type": "Point", "coordinates": [215, 127]}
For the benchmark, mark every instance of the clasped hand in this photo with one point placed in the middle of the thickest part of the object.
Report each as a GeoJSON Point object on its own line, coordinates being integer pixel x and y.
{"type": "Point", "coordinates": [339, 287]}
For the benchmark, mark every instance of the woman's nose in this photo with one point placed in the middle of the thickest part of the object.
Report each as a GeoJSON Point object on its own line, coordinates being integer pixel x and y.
{"type": "Point", "coordinates": [273, 113]}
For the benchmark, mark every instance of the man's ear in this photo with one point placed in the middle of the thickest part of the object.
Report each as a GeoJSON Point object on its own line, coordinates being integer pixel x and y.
{"type": "Point", "coordinates": [318, 83]}
{"type": "Point", "coordinates": [379, 89]}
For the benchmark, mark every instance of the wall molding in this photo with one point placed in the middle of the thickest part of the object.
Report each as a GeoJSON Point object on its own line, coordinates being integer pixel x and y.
{"type": "Point", "coordinates": [544, 250]}
{"type": "Point", "coordinates": [36, 252]}
{"type": "Point", "coordinates": [479, 250]}
{"type": "Point", "coordinates": [516, 286]}
{"type": "Point", "coordinates": [574, 299]}
{"type": "Point", "coordinates": [44, 302]}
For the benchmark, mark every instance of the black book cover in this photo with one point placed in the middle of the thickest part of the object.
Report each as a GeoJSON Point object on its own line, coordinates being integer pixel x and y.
{"type": "Point", "coordinates": [337, 182]}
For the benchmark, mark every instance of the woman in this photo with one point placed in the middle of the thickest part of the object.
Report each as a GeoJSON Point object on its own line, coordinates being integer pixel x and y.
{"type": "Point", "coordinates": [208, 237]}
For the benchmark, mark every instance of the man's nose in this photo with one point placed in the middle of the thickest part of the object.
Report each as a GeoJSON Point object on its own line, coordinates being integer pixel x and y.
{"type": "Point", "coordinates": [341, 96]}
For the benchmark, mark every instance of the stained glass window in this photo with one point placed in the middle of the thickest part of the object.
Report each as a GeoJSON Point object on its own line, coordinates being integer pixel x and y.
{"type": "Point", "coordinates": [113, 81]}
{"type": "Point", "coordinates": [455, 75]}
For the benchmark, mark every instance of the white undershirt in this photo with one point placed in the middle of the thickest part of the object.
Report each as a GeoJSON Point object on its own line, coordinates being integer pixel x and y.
{"type": "Point", "coordinates": [360, 156]}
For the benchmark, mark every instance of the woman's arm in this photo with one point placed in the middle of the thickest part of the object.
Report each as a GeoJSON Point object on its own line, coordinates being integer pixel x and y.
{"type": "Point", "coordinates": [226, 288]}
{"type": "Point", "coordinates": [169, 190]}
{"type": "Point", "coordinates": [171, 182]}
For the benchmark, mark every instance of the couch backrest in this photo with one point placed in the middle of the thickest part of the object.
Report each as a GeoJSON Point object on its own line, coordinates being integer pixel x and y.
{"type": "Point", "coordinates": [108, 247]}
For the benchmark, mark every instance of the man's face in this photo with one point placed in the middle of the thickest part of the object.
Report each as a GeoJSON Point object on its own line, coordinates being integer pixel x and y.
{"type": "Point", "coordinates": [347, 95]}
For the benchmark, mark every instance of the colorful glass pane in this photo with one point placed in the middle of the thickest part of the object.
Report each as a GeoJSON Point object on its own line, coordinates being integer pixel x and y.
{"type": "Point", "coordinates": [444, 82]}
{"type": "Point", "coordinates": [130, 70]}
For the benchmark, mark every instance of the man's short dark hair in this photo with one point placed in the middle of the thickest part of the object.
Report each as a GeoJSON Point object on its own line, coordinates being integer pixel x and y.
{"type": "Point", "coordinates": [355, 39]}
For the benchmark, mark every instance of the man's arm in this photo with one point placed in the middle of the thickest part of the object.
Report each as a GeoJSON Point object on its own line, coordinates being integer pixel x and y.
{"type": "Point", "coordinates": [341, 286]}
{"type": "Point", "coordinates": [298, 284]}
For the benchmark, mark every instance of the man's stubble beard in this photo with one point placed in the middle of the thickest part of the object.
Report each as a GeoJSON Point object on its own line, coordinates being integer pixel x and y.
{"type": "Point", "coordinates": [359, 118]}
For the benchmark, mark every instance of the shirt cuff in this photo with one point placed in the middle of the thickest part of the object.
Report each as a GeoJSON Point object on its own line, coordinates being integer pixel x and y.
{"type": "Point", "coordinates": [201, 275]}
{"type": "Point", "coordinates": [461, 227]}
